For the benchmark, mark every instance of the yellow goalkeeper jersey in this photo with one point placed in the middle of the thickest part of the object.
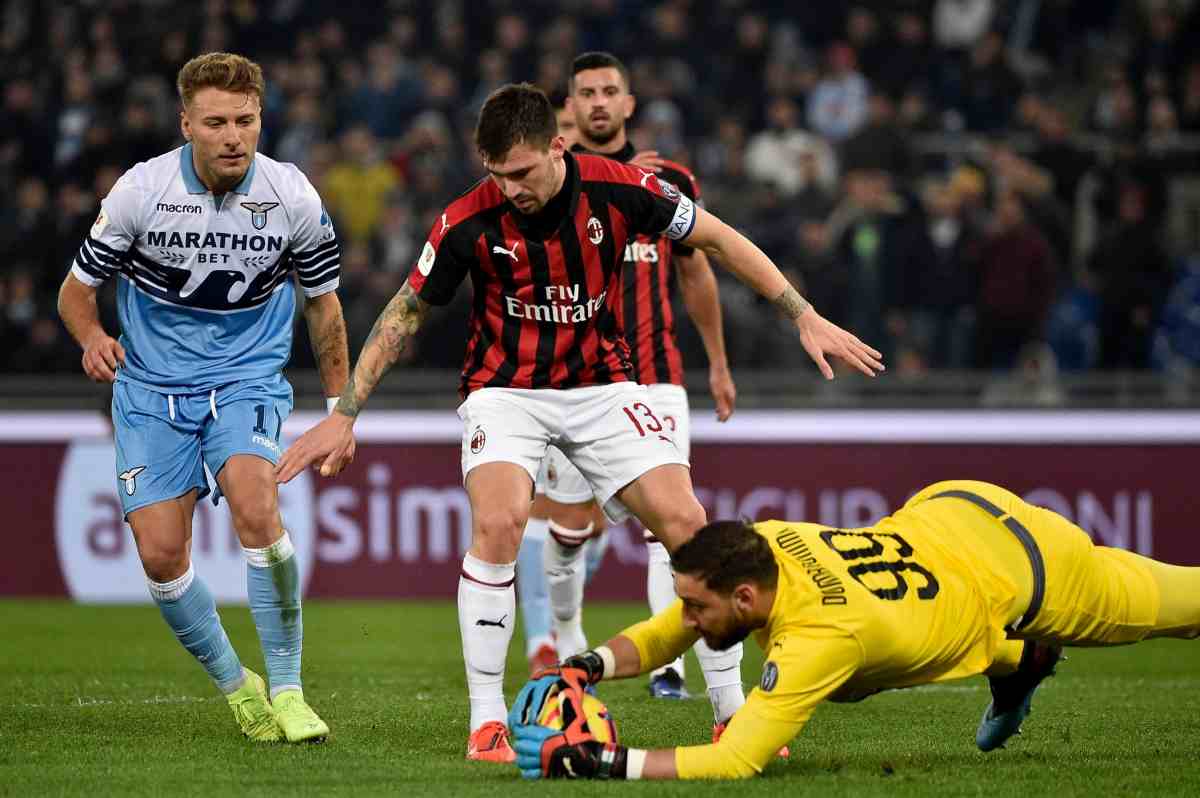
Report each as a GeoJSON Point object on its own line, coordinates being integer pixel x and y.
{"type": "Point", "coordinates": [923, 596]}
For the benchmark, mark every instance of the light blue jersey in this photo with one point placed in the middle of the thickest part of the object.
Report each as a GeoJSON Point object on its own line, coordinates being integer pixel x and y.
{"type": "Point", "coordinates": [205, 297]}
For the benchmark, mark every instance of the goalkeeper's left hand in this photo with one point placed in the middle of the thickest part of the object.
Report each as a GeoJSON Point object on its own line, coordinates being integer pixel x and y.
{"type": "Point", "coordinates": [543, 752]}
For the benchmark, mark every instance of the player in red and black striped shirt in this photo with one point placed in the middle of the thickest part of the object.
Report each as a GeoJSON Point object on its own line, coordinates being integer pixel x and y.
{"type": "Point", "coordinates": [543, 240]}
{"type": "Point", "coordinates": [600, 103]}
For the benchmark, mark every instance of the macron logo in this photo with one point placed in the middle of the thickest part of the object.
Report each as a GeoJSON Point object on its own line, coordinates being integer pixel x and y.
{"type": "Point", "coordinates": [512, 253]}
{"type": "Point", "coordinates": [171, 207]}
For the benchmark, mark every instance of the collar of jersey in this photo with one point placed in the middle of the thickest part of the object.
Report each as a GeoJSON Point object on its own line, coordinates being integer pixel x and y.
{"type": "Point", "coordinates": [624, 155]}
{"type": "Point", "coordinates": [543, 228]}
{"type": "Point", "coordinates": [192, 182]}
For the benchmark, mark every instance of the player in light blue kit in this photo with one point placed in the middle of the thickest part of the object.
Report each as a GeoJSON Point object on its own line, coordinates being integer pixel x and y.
{"type": "Point", "coordinates": [205, 240]}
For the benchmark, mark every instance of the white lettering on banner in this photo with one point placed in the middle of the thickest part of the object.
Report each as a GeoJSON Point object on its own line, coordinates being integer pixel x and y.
{"type": "Point", "coordinates": [443, 512]}
{"type": "Point", "coordinates": [1125, 528]}
{"type": "Point", "coordinates": [96, 552]}
{"type": "Point", "coordinates": [437, 505]}
{"type": "Point", "coordinates": [342, 539]}
{"type": "Point", "coordinates": [379, 512]}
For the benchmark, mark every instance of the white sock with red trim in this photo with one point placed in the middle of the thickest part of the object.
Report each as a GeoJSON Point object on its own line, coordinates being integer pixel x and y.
{"type": "Point", "coordinates": [660, 589]}
{"type": "Point", "coordinates": [487, 606]}
{"type": "Point", "coordinates": [563, 558]}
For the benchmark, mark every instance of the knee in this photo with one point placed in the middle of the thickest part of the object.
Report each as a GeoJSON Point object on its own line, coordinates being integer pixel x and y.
{"type": "Point", "coordinates": [163, 562]}
{"type": "Point", "coordinates": [497, 532]}
{"type": "Point", "coordinates": [256, 519]}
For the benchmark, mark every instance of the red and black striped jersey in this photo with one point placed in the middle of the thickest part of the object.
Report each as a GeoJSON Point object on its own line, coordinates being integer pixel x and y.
{"type": "Point", "coordinates": [648, 287]}
{"type": "Point", "coordinates": [547, 285]}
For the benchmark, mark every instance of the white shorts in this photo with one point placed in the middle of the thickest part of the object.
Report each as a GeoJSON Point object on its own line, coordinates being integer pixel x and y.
{"type": "Point", "coordinates": [611, 433]}
{"type": "Point", "coordinates": [560, 481]}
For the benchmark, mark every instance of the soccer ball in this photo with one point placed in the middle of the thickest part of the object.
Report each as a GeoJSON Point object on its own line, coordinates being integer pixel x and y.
{"type": "Point", "coordinates": [599, 722]}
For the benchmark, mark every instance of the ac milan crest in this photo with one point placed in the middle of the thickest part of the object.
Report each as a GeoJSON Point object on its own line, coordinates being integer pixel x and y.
{"type": "Point", "coordinates": [478, 440]}
{"type": "Point", "coordinates": [595, 230]}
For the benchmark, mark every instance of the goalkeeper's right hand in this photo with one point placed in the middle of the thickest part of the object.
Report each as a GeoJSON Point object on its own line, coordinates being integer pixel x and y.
{"type": "Point", "coordinates": [589, 663]}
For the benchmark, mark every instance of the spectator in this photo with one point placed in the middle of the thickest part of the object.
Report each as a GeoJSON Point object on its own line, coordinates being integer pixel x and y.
{"type": "Point", "coordinates": [908, 65]}
{"type": "Point", "coordinates": [958, 24]}
{"type": "Point", "coordinates": [1132, 272]}
{"type": "Point", "coordinates": [1189, 99]}
{"type": "Point", "coordinates": [864, 34]}
{"type": "Point", "coordinates": [940, 280]}
{"type": "Point", "coordinates": [871, 233]}
{"type": "Point", "coordinates": [838, 104]}
{"type": "Point", "coordinates": [879, 144]}
{"type": "Point", "coordinates": [391, 95]}
{"type": "Point", "coordinates": [1058, 154]}
{"type": "Point", "coordinates": [990, 86]}
{"type": "Point", "coordinates": [1177, 343]}
{"type": "Point", "coordinates": [356, 188]}
{"type": "Point", "coordinates": [786, 156]}
{"type": "Point", "coordinates": [1016, 285]}
{"type": "Point", "coordinates": [1035, 187]}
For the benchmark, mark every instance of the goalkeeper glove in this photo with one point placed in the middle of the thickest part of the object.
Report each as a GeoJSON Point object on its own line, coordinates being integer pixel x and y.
{"type": "Point", "coordinates": [546, 753]}
{"type": "Point", "coordinates": [589, 663]}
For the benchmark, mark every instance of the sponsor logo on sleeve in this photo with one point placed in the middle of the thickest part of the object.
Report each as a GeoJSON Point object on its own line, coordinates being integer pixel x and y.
{"type": "Point", "coordinates": [669, 191]}
{"type": "Point", "coordinates": [425, 264]}
{"type": "Point", "coordinates": [99, 225]}
{"type": "Point", "coordinates": [770, 677]}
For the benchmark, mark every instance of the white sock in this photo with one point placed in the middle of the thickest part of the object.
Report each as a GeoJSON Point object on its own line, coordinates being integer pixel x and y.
{"type": "Point", "coordinates": [487, 606]}
{"type": "Point", "coordinates": [660, 589]}
{"type": "Point", "coordinates": [723, 677]}
{"type": "Point", "coordinates": [562, 556]}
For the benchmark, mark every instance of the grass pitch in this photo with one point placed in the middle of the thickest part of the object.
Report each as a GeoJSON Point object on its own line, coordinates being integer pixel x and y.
{"type": "Point", "coordinates": [101, 700]}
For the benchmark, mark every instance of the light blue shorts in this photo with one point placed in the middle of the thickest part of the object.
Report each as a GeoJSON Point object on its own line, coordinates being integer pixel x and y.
{"type": "Point", "coordinates": [165, 440]}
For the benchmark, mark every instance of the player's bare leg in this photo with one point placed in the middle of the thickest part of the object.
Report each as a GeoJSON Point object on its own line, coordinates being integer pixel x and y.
{"type": "Point", "coordinates": [570, 527]}
{"type": "Point", "coordinates": [273, 588]}
{"type": "Point", "coordinates": [487, 604]}
{"type": "Point", "coordinates": [663, 500]}
{"type": "Point", "coordinates": [163, 534]}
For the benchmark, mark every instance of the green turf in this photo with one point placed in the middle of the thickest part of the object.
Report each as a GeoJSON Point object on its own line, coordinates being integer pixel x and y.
{"type": "Point", "coordinates": [101, 700]}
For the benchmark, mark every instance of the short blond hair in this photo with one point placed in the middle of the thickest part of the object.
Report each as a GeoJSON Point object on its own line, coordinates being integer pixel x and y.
{"type": "Point", "coordinates": [226, 71]}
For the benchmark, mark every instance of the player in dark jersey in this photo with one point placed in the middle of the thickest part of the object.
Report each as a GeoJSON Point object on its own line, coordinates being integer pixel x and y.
{"type": "Point", "coordinates": [543, 238]}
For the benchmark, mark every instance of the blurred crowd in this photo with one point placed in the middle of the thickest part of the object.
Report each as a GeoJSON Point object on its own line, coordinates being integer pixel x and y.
{"type": "Point", "coordinates": [966, 183]}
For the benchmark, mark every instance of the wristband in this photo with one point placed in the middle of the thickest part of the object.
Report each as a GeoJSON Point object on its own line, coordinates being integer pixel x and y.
{"type": "Point", "coordinates": [330, 403]}
{"type": "Point", "coordinates": [610, 662]}
{"type": "Point", "coordinates": [635, 762]}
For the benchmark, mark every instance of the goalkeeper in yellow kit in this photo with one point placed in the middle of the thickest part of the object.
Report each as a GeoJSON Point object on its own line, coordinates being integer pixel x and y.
{"type": "Point", "coordinates": [965, 579]}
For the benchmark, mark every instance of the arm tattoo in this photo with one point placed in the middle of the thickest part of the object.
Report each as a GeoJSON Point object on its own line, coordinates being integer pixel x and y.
{"type": "Point", "coordinates": [791, 303]}
{"type": "Point", "coordinates": [395, 326]}
{"type": "Point", "coordinates": [328, 336]}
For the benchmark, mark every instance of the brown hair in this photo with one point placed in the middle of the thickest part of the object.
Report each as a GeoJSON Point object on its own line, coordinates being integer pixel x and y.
{"type": "Point", "coordinates": [597, 60]}
{"type": "Point", "coordinates": [519, 113]}
{"type": "Point", "coordinates": [725, 554]}
{"type": "Point", "coordinates": [226, 71]}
